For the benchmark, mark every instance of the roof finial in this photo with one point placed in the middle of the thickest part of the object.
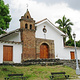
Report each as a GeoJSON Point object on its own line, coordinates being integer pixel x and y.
{"type": "Point", "coordinates": [27, 7]}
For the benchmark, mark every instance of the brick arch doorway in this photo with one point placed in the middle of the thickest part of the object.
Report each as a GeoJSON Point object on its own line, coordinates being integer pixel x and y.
{"type": "Point", "coordinates": [44, 51]}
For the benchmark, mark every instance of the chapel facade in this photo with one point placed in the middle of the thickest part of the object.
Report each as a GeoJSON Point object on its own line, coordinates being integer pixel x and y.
{"type": "Point", "coordinates": [34, 40]}
{"type": "Point", "coordinates": [32, 47]}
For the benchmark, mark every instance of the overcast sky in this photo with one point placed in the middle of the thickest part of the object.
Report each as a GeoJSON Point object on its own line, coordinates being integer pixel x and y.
{"type": "Point", "coordinates": [51, 9]}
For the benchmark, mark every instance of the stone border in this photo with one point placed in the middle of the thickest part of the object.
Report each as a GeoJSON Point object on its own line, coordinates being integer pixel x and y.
{"type": "Point", "coordinates": [50, 43]}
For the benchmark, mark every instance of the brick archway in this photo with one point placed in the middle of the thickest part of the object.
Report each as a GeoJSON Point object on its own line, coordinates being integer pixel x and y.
{"type": "Point", "coordinates": [44, 51]}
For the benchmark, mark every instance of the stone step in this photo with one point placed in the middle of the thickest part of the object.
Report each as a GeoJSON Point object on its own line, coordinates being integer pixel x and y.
{"type": "Point", "coordinates": [42, 62]}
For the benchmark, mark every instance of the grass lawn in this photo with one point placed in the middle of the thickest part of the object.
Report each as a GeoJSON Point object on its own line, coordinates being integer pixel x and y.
{"type": "Point", "coordinates": [36, 72]}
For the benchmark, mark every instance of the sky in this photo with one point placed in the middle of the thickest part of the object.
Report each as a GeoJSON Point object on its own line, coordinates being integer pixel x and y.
{"type": "Point", "coordinates": [50, 9]}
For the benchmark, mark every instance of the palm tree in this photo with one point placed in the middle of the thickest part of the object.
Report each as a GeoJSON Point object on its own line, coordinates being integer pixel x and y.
{"type": "Point", "coordinates": [65, 26]}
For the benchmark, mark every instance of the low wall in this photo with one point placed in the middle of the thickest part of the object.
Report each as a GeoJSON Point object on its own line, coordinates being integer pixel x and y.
{"type": "Point", "coordinates": [51, 62]}
{"type": "Point", "coordinates": [46, 62]}
{"type": "Point", "coordinates": [70, 63]}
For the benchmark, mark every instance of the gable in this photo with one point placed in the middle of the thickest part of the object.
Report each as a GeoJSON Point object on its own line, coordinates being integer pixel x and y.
{"type": "Point", "coordinates": [51, 29]}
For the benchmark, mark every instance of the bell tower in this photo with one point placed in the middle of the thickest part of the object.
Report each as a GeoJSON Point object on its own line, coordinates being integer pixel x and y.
{"type": "Point", "coordinates": [27, 27]}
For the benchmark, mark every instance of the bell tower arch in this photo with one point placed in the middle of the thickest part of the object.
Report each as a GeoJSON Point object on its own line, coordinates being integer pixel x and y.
{"type": "Point", "coordinates": [27, 27]}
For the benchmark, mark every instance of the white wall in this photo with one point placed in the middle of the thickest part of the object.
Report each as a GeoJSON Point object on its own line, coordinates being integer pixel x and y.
{"type": "Point", "coordinates": [13, 37]}
{"type": "Point", "coordinates": [52, 34]}
{"type": "Point", "coordinates": [66, 53]}
{"type": "Point", "coordinates": [17, 51]}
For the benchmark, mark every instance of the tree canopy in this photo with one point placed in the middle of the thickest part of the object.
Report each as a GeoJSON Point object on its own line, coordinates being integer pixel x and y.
{"type": "Point", "coordinates": [65, 26]}
{"type": "Point", "coordinates": [71, 43]}
{"type": "Point", "coordinates": [5, 17]}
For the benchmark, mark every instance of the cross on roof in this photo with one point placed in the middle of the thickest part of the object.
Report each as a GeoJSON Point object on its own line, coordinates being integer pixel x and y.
{"type": "Point", "coordinates": [27, 6]}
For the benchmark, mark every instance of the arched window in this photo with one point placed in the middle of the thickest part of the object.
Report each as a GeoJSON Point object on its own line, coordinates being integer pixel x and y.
{"type": "Point", "coordinates": [27, 17]}
{"type": "Point", "coordinates": [26, 26]}
{"type": "Point", "coordinates": [30, 26]}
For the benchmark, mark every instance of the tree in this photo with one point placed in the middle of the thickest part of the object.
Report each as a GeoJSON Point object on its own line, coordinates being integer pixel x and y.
{"type": "Point", "coordinates": [5, 18]}
{"type": "Point", "coordinates": [78, 43]}
{"type": "Point", "coordinates": [65, 26]}
{"type": "Point", "coordinates": [70, 42]}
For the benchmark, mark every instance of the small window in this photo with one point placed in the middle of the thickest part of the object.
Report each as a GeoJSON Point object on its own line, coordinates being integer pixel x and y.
{"type": "Point", "coordinates": [30, 26]}
{"type": "Point", "coordinates": [26, 26]}
{"type": "Point", "coordinates": [44, 29]}
{"type": "Point", "coordinates": [27, 17]}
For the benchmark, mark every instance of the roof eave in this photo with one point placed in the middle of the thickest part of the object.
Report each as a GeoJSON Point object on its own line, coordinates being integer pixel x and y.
{"type": "Point", "coordinates": [11, 32]}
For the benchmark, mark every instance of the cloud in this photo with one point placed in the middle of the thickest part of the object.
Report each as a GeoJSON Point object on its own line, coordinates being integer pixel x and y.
{"type": "Point", "coordinates": [7, 1]}
{"type": "Point", "coordinates": [49, 1]}
{"type": "Point", "coordinates": [75, 4]}
{"type": "Point", "coordinates": [40, 10]}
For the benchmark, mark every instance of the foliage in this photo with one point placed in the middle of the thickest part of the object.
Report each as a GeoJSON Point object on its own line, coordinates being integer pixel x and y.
{"type": "Point", "coordinates": [78, 43]}
{"type": "Point", "coordinates": [5, 18]}
{"type": "Point", "coordinates": [65, 26]}
{"type": "Point", "coordinates": [35, 72]}
{"type": "Point", "coordinates": [71, 43]}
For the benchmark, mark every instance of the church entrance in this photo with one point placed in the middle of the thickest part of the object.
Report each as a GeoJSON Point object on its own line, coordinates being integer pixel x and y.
{"type": "Point", "coordinates": [44, 51]}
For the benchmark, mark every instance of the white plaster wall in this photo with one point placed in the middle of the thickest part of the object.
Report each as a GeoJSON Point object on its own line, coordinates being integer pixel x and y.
{"type": "Point", "coordinates": [52, 34]}
{"type": "Point", "coordinates": [1, 53]}
{"type": "Point", "coordinates": [13, 37]}
{"type": "Point", "coordinates": [66, 53]}
{"type": "Point", "coordinates": [17, 51]}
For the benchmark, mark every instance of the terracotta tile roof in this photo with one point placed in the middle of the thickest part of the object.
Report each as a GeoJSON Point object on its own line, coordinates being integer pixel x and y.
{"type": "Point", "coordinates": [71, 47]}
{"type": "Point", "coordinates": [41, 20]}
{"type": "Point", "coordinates": [3, 35]}
{"type": "Point", "coordinates": [2, 41]}
{"type": "Point", "coordinates": [44, 20]}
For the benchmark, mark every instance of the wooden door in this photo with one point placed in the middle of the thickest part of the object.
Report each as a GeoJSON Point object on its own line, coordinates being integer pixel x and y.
{"type": "Point", "coordinates": [72, 55]}
{"type": "Point", "coordinates": [7, 53]}
{"type": "Point", "coordinates": [44, 53]}
{"type": "Point", "coordinates": [41, 51]}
